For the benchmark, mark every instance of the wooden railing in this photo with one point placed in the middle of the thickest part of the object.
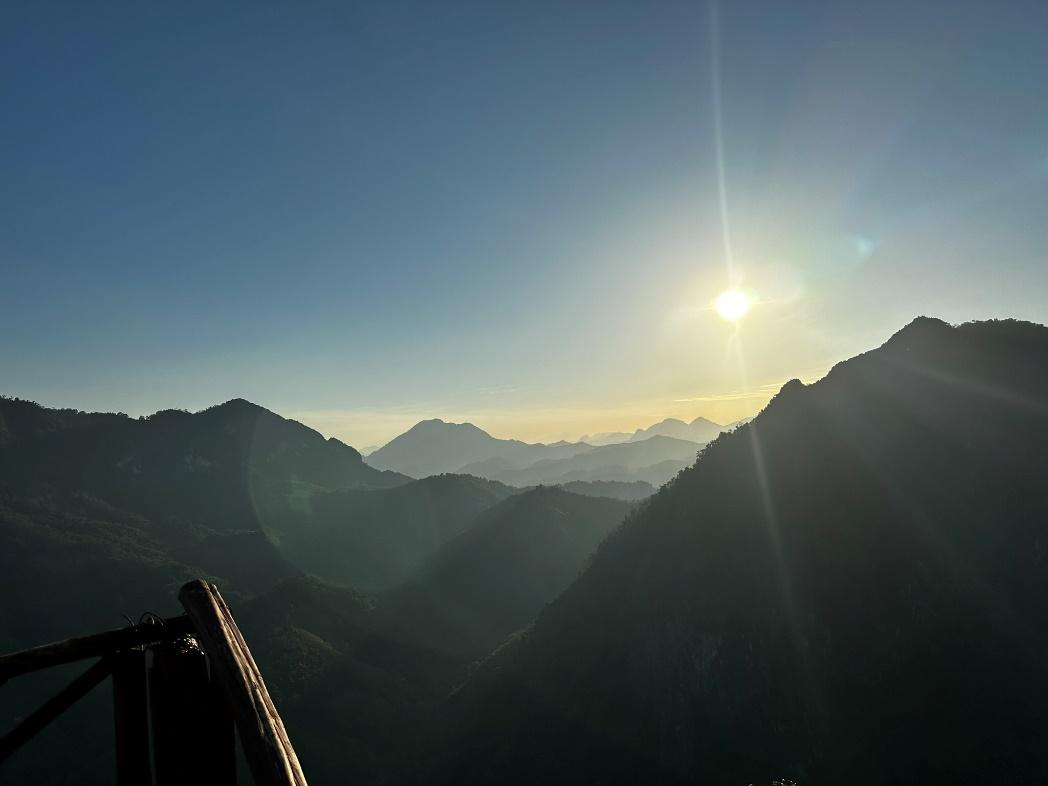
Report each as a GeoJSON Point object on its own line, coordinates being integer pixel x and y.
{"type": "Point", "coordinates": [199, 683]}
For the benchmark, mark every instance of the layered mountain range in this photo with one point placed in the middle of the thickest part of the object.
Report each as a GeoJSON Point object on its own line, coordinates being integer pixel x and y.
{"type": "Point", "coordinates": [849, 588]}
{"type": "Point", "coordinates": [650, 456]}
{"type": "Point", "coordinates": [698, 430]}
{"type": "Point", "coordinates": [852, 588]}
{"type": "Point", "coordinates": [102, 517]}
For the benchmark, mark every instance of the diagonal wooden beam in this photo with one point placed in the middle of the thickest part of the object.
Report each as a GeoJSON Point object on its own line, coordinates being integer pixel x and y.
{"type": "Point", "coordinates": [93, 646]}
{"type": "Point", "coordinates": [267, 749]}
{"type": "Point", "coordinates": [52, 708]}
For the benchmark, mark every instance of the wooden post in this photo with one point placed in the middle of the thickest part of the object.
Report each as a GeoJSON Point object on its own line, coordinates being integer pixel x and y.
{"type": "Point", "coordinates": [193, 738]}
{"type": "Point", "coordinates": [131, 718]}
{"type": "Point", "coordinates": [268, 751]}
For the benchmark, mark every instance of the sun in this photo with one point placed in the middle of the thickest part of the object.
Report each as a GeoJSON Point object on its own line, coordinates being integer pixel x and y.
{"type": "Point", "coordinates": [733, 305]}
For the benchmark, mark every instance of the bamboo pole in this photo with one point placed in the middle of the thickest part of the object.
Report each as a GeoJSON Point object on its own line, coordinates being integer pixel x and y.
{"type": "Point", "coordinates": [93, 646]}
{"type": "Point", "coordinates": [269, 753]}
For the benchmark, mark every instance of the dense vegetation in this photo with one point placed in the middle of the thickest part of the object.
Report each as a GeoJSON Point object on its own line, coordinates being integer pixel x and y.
{"type": "Point", "coordinates": [852, 588]}
{"type": "Point", "coordinates": [103, 517]}
{"type": "Point", "coordinates": [393, 533]}
{"type": "Point", "coordinates": [523, 552]}
{"type": "Point", "coordinates": [615, 489]}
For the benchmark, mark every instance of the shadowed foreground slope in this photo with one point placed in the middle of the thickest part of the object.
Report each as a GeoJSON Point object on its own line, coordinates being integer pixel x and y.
{"type": "Point", "coordinates": [497, 576]}
{"type": "Point", "coordinates": [852, 588]}
{"type": "Point", "coordinates": [375, 540]}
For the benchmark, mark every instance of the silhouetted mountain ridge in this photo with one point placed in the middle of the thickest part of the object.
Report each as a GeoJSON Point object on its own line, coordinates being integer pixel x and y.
{"type": "Point", "coordinates": [653, 460]}
{"type": "Point", "coordinates": [103, 515]}
{"type": "Point", "coordinates": [850, 588]}
{"type": "Point", "coordinates": [229, 467]}
{"type": "Point", "coordinates": [432, 447]}
{"type": "Point", "coordinates": [631, 491]}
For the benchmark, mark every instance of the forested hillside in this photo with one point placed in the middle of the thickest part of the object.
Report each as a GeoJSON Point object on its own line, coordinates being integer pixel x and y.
{"type": "Point", "coordinates": [849, 589]}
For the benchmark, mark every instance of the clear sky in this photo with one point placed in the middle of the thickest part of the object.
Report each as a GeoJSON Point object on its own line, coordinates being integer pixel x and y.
{"type": "Point", "coordinates": [365, 214]}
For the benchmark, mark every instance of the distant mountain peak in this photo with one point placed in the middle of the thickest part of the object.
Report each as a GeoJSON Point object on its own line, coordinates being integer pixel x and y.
{"type": "Point", "coordinates": [700, 420]}
{"type": "Point", "coordinates": [699, 430]}
{"type": "Point", "coordinates": [919, 332]}
{"type": "Point", "coordinates": [436, 424]}
{"type": "Point", "coordinates": [237, 406]}
{"type": "Point", "coordinates": [923, 323]}
{"type": "Point", "coordinates": [895, 495]}
{"type": "Point", "coordinates": [433, 446]}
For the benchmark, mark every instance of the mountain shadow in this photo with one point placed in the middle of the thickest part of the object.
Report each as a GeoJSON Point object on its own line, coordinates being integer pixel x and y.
{"type": "Point", "coordinates": [374, 540]}
{"type": "Point", "coordinates": [495, 578]}
{"type": "Point", "coordinates": [851, 588]}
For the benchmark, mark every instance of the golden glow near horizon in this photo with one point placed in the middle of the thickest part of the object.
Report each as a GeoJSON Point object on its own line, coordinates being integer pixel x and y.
{"type": "Point", "coordinates": [364, 428]}
{"type": "Point", "coordinates": [733, 305]}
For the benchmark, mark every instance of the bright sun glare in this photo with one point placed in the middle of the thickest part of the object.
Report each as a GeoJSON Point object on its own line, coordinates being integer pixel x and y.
{"type": "Point", "coordinates": [732, 305]}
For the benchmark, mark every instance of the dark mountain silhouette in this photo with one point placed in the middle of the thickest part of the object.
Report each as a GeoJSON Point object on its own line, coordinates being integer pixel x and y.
{"type": "Point", "coordinates": [433, 447]}
{"type": "Point", "coordinates": [103, 516]}
{"type": "Point", "coordinates": [653, 460]}
{"type": "Point", "coordinates": [495, 577]}
{"type": "Point", "coordinates": [631, 491]}
{"type": "Point", "coordinates": [61, 553]}
{"type": "Point", "coordinates": [351, 698]}
{"type": "Point", "coordinates": [248, 560]}
{"type": "Point", "coordinates": [357, 676]}
{"type": "Point", "coordinates": [852, 588]}
{"type": "Point", "coordinates": [71, 564]}
{"type": "Point", "coordinates": [234, 466]}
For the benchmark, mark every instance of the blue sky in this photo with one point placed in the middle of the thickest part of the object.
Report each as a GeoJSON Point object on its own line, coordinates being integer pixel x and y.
{"type": "Point", "coordinates": [366, 214]}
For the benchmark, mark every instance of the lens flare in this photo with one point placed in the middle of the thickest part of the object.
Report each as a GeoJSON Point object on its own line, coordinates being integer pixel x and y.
{"type": "Point", "coordinates": [733, 305]}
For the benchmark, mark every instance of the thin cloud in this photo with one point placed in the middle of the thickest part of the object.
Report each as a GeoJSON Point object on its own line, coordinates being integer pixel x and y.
{"type": "Point", "coordinates": [761, 391]}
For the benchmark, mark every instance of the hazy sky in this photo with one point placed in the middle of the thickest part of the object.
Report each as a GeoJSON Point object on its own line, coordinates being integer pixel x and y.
{"type": "Point", "coordinates": [362, 215]}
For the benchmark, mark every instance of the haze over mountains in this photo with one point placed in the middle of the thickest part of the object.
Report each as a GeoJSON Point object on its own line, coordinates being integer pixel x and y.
{"type": "Point", "coordinates": [652, 461]}
{"type": "Point", "coordinates": [699, 430]}
{"type": "Point", "coordinates": [374, 540]}
{"type": "Point", "coordinates": [543, 270]}
{"type": "Point", "coordinates": [103, 515]}
{"type": "Point", "coordinates": [849, 588]}
{"type": "Point", "coordinates": [517, 551]}
{"type": "Point", "coordinates": [651, 455]}
{"type": "Point", "coordinates": [433, 447]}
